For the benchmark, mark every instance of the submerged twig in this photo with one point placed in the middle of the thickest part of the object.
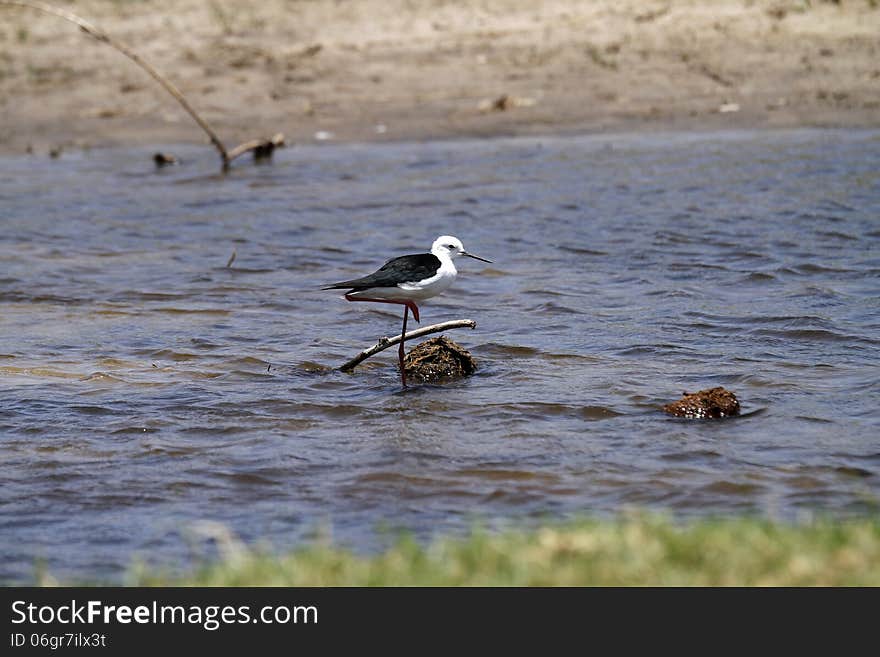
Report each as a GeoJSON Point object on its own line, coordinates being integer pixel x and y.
{"type": "Point", "coordinates": [262, 148]}
{"type": "Point", "coordinates": [384, 343]}
{"type": "Point", "coordinates": [259, 146]}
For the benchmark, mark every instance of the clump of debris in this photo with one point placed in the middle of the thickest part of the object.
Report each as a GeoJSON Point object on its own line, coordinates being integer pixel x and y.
{"type": "Point", "coordinates": [712, 403]}
{"type": "Point", "coordinates": [439, 359]}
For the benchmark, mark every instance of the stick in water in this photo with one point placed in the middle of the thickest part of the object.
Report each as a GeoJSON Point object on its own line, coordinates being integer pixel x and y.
{"type": "Point", "coordinates": [384, 343]}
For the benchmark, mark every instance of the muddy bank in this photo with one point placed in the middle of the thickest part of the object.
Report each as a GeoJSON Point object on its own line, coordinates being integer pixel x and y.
{"type": "Point", "coordinates": [380, 70]}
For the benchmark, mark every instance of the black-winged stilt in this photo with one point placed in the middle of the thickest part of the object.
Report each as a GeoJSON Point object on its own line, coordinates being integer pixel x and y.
{"type": "Point", "coordinates": [407, 279]}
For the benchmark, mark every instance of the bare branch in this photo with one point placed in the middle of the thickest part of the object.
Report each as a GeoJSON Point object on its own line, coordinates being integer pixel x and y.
{"type": "Point", "coordinates": [384, 343]}
{"type": "Point", "coordinates": [261, 147]}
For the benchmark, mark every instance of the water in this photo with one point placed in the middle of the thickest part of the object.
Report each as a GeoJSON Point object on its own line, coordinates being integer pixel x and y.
{"type": "Point", "coordinates": [145, 385]}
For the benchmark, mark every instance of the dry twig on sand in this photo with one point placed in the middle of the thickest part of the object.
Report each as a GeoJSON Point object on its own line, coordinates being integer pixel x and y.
{"type": "Point", "coordinates": [262, 148]}
{"type": "Point", "coordinates": [384, 343]}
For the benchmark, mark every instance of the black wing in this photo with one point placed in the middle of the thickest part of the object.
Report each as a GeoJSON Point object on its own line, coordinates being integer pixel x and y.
{"type": "Point", "coordinates": [403, 269]}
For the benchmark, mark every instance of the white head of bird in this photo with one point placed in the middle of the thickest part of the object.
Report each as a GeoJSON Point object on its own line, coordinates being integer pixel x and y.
{"type": "Point", "coordinates": [447, 247]}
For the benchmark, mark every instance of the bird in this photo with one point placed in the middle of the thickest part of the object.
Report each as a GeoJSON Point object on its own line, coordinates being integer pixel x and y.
{"type": "Point", "coordinates": [409, 278]}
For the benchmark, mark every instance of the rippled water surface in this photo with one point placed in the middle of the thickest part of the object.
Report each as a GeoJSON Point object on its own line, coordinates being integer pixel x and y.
{"type": "Point", "coordinates": [145, 385]}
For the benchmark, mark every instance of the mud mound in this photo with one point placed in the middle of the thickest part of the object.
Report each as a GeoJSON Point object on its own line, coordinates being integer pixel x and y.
{"type": "Point", "coordinates": [439, 359]}
{"type": "Point", "coordinates": [712, 403]}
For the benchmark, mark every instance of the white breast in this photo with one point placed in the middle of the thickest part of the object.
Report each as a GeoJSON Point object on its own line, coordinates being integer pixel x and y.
{"type": "Point", "coordinates": [431, 287]}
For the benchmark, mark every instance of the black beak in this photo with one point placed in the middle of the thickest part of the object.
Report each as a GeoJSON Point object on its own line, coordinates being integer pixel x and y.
{"type": "Point", "coordinates": [475, 257]}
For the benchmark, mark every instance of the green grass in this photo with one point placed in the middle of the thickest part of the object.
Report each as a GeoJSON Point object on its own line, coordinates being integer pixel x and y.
{"type": "Point", "coordinates": [637, 550]}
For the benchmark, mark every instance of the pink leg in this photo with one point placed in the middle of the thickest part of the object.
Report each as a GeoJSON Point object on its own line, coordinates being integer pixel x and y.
{"type": "Point", "coordinates": [401, 351]}
{"type": "Point", "coordinates": [408, 305]}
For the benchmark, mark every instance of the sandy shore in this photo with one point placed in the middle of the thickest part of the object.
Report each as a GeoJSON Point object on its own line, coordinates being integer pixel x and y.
{"type": "Point", "coordinates": [417, 69]}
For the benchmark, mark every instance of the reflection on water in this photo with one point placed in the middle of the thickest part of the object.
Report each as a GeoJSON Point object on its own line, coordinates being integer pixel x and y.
{"type": "Point", "coordinates": [145, 385]}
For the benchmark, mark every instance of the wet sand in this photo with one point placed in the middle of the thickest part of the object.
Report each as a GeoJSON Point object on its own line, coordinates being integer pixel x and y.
{"type": "Point", "coordinates": [420, 69]}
